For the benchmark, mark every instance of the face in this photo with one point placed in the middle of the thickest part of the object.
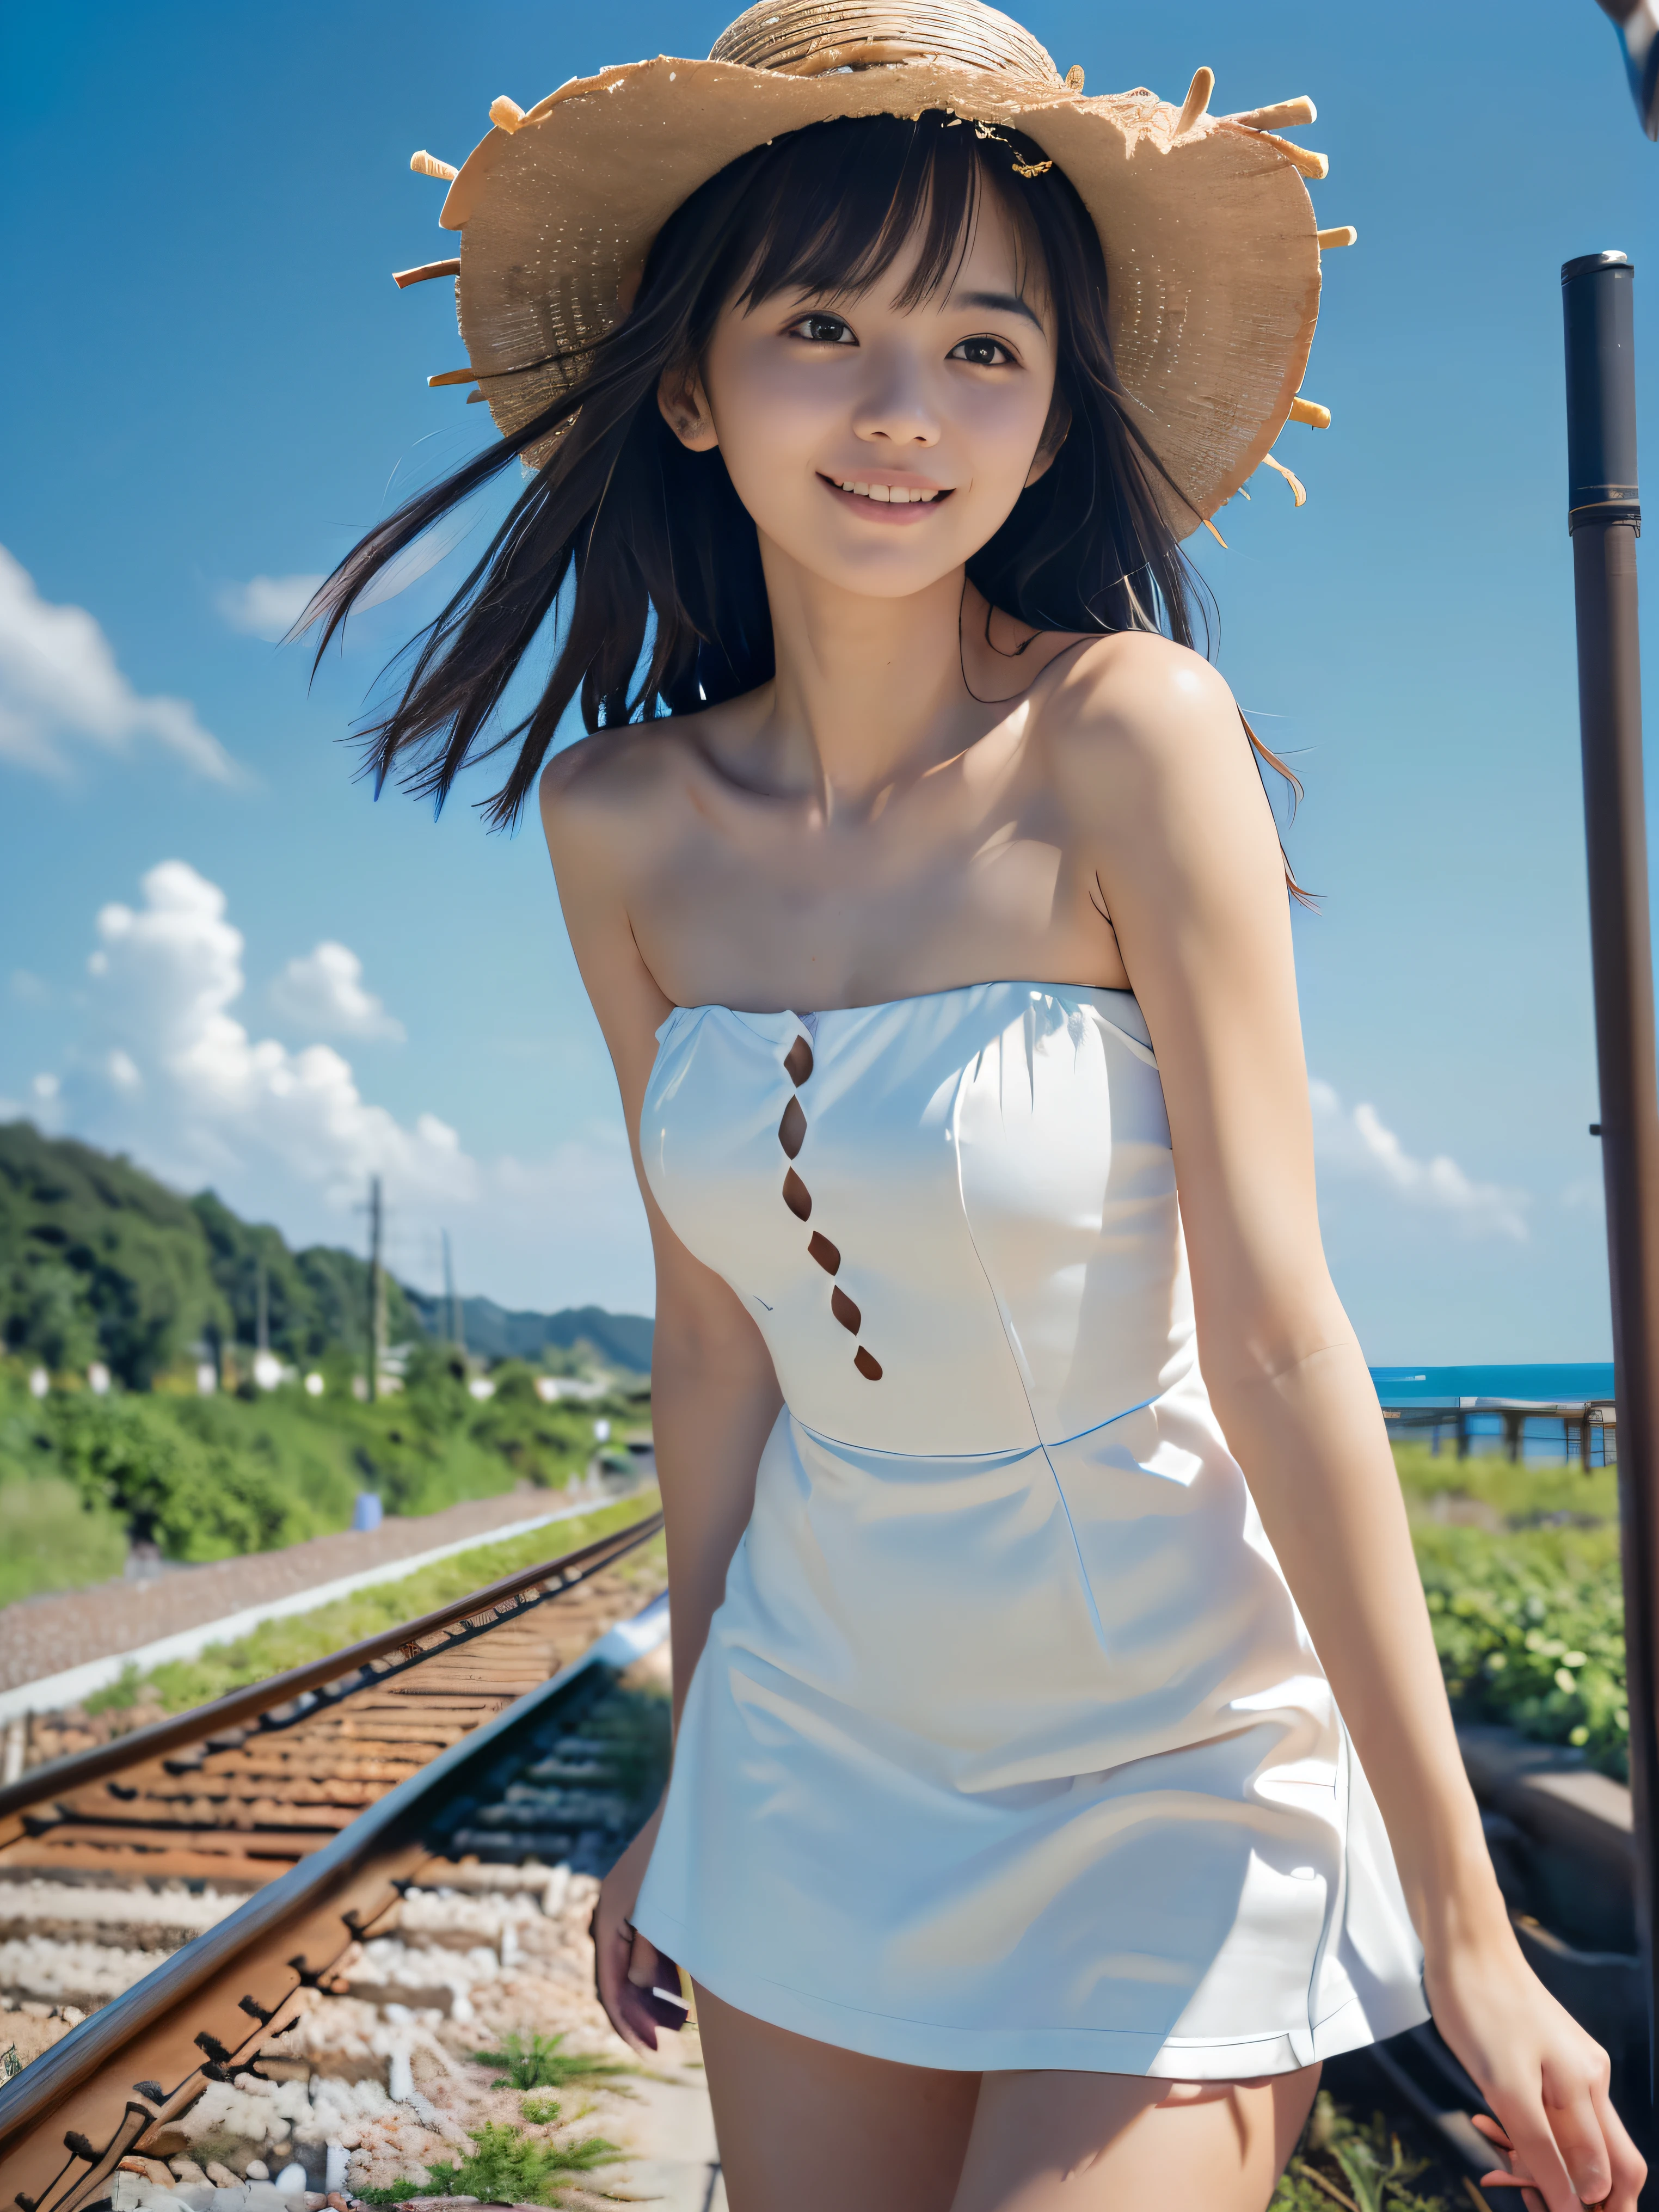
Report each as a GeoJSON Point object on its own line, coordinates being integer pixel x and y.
{"type": "Point", "coordinates": [878, 447]}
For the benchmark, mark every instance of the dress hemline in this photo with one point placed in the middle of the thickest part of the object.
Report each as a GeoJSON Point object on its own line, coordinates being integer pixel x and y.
{"type": "Point", "coordinates": [975, 2050]}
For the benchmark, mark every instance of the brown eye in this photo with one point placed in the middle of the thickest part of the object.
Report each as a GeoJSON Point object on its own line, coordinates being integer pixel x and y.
{"type": "Point", "coordinates": [982, 353]}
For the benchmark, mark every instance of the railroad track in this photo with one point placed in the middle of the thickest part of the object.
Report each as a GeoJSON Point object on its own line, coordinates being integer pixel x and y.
{"type": "Point", "coordinates": [365, 1868]}
{"type": "Point", "coordinates": [313, 1845]}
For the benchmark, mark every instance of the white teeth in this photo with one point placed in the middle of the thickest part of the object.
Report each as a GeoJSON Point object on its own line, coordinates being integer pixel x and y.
{"type": "Point", "coordinates": [890, 495]}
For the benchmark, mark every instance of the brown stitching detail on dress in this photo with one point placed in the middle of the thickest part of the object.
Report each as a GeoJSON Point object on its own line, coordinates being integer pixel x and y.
{"type": "Point", "coordinates": [797, 1197]}
{"type": "Point", "coordinates": [845, 1312]}
{"type": "Point", "coordinates": [797, 1061]}
{"type": "Point", "coordinates": [869, 1368]}
{"type": "Point", "coordinates": [792, 1130]}
{"type": "Point", "coordinates": [824, 1253]}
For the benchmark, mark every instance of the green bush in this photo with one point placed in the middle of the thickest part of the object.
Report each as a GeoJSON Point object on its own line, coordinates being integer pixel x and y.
{"type": "Point", "coordinates": [1530, 1629]}
{"type": "Point", "coordinates": [208, 1477]}
{"type": "Point", "coordinates": [544, 1444]}
{"type": "Point", "coordinates": [167, 1486]}
{"type": "Point", "coordinates": [1526, 1605]}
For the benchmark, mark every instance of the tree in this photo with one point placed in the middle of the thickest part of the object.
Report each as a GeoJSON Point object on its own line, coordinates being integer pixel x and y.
{"type": "Point", "coordinates": [98, 1252]}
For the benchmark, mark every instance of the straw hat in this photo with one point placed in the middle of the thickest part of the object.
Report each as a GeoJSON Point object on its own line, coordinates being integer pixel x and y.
{"type": "Point", "coordinates": [1212, 250]}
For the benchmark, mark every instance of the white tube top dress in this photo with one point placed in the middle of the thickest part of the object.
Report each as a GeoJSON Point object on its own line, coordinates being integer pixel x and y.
{"type": "Point", "coordinates": [1008, 1748]}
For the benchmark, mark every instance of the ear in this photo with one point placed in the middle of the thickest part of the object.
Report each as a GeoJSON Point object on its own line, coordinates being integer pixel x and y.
{"type": "Point", "coordinates": [1055, 431]}
{"type": "Point", "coordinates": [685, 409]}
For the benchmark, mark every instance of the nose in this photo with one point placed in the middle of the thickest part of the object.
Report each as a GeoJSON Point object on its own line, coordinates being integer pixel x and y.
{"type": "Point", "coordinates": [895, 408]}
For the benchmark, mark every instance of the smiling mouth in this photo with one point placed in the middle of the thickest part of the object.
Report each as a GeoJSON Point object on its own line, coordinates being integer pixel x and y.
{"type": "Point", "coordinates": [887, 494]}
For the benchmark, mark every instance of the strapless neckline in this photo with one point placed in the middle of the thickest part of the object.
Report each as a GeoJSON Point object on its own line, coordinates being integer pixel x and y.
{"type": "Point", "coordinates": [890, 1006]}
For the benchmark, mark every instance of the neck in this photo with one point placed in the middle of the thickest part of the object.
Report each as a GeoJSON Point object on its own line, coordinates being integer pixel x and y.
{"type": "Point", "coordinates": [868, 691]}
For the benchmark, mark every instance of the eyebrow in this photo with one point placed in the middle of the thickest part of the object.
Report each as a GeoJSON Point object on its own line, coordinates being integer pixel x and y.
{"type": "Point", "coordinates": [1005, 303]}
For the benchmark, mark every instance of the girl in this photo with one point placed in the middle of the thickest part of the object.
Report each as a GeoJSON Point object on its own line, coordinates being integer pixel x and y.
{"type": "Point", "coordinates": [1063, 1769]}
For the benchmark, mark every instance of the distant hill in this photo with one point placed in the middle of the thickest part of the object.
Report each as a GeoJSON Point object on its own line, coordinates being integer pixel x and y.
{"type": "Point", "coordinates": [624, 1339]}
{"type": "Point", "coordinates": [99, 1261]}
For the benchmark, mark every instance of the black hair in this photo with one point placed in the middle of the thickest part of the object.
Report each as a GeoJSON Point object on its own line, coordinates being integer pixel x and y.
{"type": "Point", "coordinates": [661, 552]}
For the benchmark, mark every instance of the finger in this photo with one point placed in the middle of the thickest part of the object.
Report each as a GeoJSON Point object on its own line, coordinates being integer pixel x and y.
{"type": "Point", "coordinates": [1579, 2139]}
{"type": "Point", "coordinates": [1500, 2177]}
{"type": "Point", "coordinates": [1535, 2153]}
{"type": "Point", "coordinates": [623, 2006]}
{"type": "Point", "coordinates": [644, 1961]}
{"type": "Point", "coordinates": [1630, 2168]}
{"type": "Point", "coordinates": [634, 2018]}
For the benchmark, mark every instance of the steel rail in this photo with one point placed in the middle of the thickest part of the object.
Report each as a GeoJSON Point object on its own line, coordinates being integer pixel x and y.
{"type": "Point", "coordinates": [32, 2095]}
{"type": "Point", "coordinates": [237, 1706]}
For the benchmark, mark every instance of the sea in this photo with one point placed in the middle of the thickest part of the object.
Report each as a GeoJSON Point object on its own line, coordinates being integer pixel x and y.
{"type": "Point", "coordinates": [1473, 1388]}
{"type": "Point", "coordinates": [1566, 1381]}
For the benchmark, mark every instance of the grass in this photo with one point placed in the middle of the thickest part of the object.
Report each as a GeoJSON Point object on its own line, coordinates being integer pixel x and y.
{"type": "Point", "coordinates": [1362, 2166]}
{"type": "Point", "coordinates": [1517, 1495]}
{"type": "Point", "coordinates": [300, 1638]}
{"type": "Point", "coordinates": [507, 2167]}
{"type": "Point", "coordinates": [48, 1541]}
{"type": "Point", "coordinates": [540, 2064]}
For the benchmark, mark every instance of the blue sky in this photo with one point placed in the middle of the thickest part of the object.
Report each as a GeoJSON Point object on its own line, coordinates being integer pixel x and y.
{"type": "Point", "coordinates": [210, 379]}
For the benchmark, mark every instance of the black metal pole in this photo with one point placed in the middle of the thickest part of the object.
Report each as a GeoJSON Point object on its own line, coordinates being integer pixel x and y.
{"type": "Point", "coordinates": [1604, 519]}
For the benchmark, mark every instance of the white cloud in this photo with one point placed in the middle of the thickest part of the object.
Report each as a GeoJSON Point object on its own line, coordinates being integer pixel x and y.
{"type": "Point", "coordinates": [60, 688]}
{"type": "Point", "coordinates": [324, 991]}
{"type": "Point", "coordinates": [265, 606]}
{"type": "Point", "coordinates": [171, 971]}
{"type": "Point", "coordinates": [167, 1072]}
{"type": "Point", "coordinates": [1358, 1143]}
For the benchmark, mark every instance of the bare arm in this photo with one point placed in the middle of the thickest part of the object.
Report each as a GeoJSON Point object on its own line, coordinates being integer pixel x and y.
{"type": "Point", "coordinates": [1159, 780]}
{"type": "Point", "coordinates": [714, 1394]}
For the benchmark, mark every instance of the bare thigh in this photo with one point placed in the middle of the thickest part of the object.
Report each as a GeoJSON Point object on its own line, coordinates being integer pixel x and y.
{"type": "Point", "coordinates": [806, 2127]}
{"type": "Point", "coordinates": [1103, 2142]}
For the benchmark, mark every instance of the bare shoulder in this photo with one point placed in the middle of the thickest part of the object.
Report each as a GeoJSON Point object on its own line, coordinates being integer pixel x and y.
{"type": "Point", "coordinates": [1135, 706]}
{"type": "Point", "coordinates": [608, 780]}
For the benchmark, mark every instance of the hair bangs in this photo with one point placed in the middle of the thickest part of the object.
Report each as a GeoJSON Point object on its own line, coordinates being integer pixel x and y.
{"type": "Point", "coordinates": [840, 207]}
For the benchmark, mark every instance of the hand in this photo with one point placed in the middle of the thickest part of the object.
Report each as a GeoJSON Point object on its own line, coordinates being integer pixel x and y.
{"type": "Point", "coordinates": [1546, 2079]}
{"type": "Point", "coordinates": [628, 1968]}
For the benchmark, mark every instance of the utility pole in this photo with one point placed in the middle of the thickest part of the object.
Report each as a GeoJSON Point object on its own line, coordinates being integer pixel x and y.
{"type": "Point", "coordinates": [262, 1314]}
{"type": "Point", "coordinates": [1604, 517]}
{"type": "Point", "coordinates": [376, 1289]}
{"type": "Point", "coordinates": [457, 1324]}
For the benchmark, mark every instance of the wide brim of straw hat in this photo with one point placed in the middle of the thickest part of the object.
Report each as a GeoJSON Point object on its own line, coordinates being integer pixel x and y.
{"type": "Point", "coordinates": [1211, 246]}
